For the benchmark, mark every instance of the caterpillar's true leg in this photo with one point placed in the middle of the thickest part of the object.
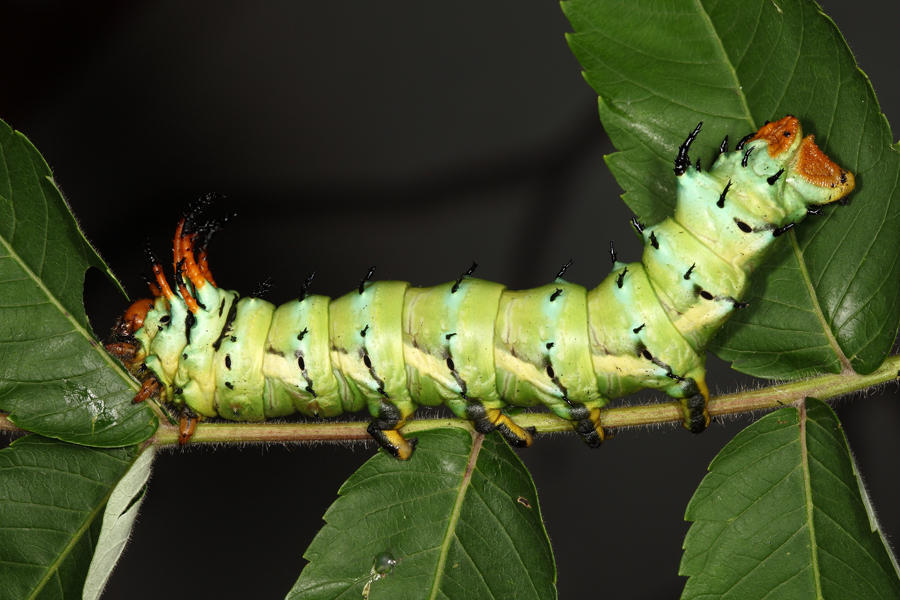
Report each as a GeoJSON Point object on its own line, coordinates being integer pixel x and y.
{"type": "Point", "coordinates": [486, 420]}
{"type": "Point", "coordinates": [187, 425]}
{"type": "Point", "coordinates": [149, 388]}
{"type": "Point", "coordinates": [124, 351]}
{"type": "Point", "coordinates": [694, 405]}
{"type": "Point", "coordinates": [384, 429]}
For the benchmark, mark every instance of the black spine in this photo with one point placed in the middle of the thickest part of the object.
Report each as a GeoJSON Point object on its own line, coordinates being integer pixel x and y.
{"type": "Point", "coordinates": [682, 160]}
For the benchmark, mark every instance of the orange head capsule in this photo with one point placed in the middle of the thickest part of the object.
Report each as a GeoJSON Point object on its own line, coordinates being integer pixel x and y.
{"type": "Point", "coordinates": [122, 344]}
{"type": "Point", "coordinates": [805, 159]}
{"type": "Point", "coordinates": [134, 316]}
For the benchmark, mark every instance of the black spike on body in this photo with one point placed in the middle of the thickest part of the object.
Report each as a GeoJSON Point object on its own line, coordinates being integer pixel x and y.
{"type": "Point", "coordinates": [304, 289]}
{"type": "Point", "coordinates": [744, 140]}
{"type": "Point", "coordinates": [687, 274]}
{"type": "Point", "coordinates": [746, 156]}
{"type": "Point", "coordinates": [612, 252]}
{"type": "Point", "coordinates": [697, 166]}
{"type": "Point", "coordinates": [459, 279]}
{"type": "Point", "coordinates": [653, 241]}
{"type": "Point", "coordinates": [771, 180]}
{"type": "Point", "coordinates": [780, 230]}
{"type": "Point", "coordinates": [564, 268]}
{"type": "Point", "coordinates": [682, 160]}
{"type": "Point", "coordinates": [620, 279]}
{"type": "Point", "coordinates": [638, 226]}
{"type": "Point", "coordinates": [721, 201]}
{"type": "Point", "coordinates": [362, 283]}
{"type": "Point", "coordinates": [723, 147]}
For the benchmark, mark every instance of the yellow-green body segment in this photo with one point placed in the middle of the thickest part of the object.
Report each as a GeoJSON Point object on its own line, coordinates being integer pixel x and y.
{"type": "Point", "coordinates": [477, 347]}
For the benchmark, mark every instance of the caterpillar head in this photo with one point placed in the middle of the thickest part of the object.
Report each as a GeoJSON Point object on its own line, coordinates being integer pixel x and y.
{"type": "Point", "coordinates": [815, 177]}
{"type": "Point", "coordinates": [122, 343]}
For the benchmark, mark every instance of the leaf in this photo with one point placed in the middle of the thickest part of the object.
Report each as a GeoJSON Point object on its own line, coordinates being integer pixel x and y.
{"type": "Point", "coordinates": [118, 519]}
{"type": "Point", "coordinates": [52, 496]}
{"type": "Point", "coordinates": [781, 514]}
{"type": "Point", "coordinates": [55, 379]}
{"type": "Point", "coordinates": [461, 520]}
{"type": "Point", "coordinates": [832, 290]}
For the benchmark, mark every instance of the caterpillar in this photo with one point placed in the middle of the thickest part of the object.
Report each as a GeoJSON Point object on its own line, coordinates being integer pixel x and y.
{"type": "Point", "coordinates": [473, 345]}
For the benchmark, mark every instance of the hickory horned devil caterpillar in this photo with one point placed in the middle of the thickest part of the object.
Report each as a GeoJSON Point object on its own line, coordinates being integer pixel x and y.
{"type": "Point", "coordinates": [472, 344]}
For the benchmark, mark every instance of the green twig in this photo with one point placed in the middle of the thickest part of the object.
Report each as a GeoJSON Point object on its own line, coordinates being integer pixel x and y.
{"type": "Point", "coordinates": [823, 387]}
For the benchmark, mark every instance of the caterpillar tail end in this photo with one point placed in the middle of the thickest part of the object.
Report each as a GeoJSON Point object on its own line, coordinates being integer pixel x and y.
{"type": "Point", "coordinates": [393, 441]}
{"type": "Point", "coordinates": [694, 408]}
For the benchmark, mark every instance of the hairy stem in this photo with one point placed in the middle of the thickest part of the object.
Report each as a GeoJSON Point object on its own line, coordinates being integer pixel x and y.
{"type": "Point", "coordinates": [823, 387]}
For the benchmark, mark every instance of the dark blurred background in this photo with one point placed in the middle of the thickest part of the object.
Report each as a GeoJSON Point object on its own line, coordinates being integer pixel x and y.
{"type": "Point", "coordinates": [412, 136]}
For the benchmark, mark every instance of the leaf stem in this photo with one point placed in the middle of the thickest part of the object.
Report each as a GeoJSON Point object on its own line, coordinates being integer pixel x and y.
{"type": "Point", "coordinates": [823, 387]}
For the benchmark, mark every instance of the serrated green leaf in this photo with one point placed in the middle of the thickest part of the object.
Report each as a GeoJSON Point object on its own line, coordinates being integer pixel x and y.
{"type": "Point", "coordinates": [461, 519]}
{"type": "Point", "coordinates": [118, 519]}
{"type": "Point", "coordinates": [55, 379]}
{"type": "Point", "coordinates": [781, 514]}
{"type": "Point", "coordinates": [52, 496]}
{"type": "Point", "coordinates": [830, 296]}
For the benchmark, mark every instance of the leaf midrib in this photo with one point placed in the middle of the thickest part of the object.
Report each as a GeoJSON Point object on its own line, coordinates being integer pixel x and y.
{"type": "Point", "coordinates": [53, 567]}
{"type": "Point", "coordinates": [807, 490]}
{"type": "Point", "coordinates": [798, 253]}
{"type": "Point", "coordinates": [76, 326]}
{"type": "Point", "coordinates": [816, 308]}
{"type": "Point", "coordinates": [454, 515]}
{"type": "Point", "coordinates": [714, 34]}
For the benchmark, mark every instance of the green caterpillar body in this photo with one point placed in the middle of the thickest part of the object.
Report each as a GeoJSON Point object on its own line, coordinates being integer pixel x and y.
{"type": "Point", "coordinates": [478, 347]}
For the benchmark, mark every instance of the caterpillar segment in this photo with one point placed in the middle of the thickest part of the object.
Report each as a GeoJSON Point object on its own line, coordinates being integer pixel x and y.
{"type": "Point", "coordinates": [472, 345]}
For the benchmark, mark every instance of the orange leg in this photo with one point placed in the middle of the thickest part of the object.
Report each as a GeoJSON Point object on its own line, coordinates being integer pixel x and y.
{"type": "Point", "coordinates": [124, 351]}
{"type": "Point", "coordinates": [186, 427]}
{"type": "Point", "coordinates": [149, 388]}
